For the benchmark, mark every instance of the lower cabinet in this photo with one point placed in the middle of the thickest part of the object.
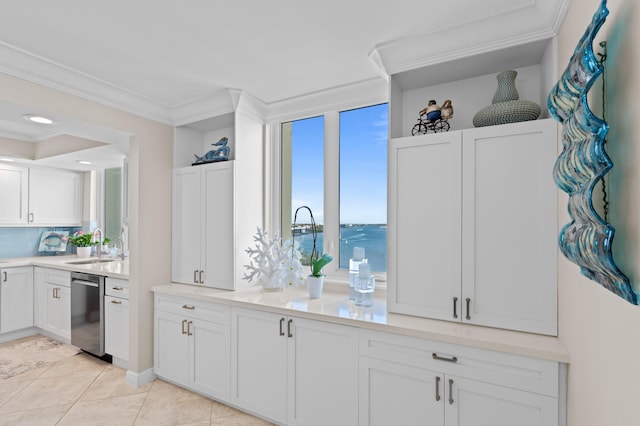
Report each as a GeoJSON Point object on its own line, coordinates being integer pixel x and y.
{"type": "Point", "coordinates": [16, 298]}
{"type": "Point", "coordinates": [192, 345]}
{"type": "Point", "coordinates": [116, 318]}
{"type": "Point", "coordinates": [292, 370]}
{"type": "Point", "coordinates": [53, 301]}
{"type": "Point", "coordinates": [404, 381]}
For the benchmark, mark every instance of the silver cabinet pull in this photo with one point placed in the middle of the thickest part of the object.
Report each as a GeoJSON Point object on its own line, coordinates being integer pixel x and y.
{"type": "Point", "coordinates": [55, 293]}
{"type": "Point", "coordinates": [195, 276]}
{"type": "Point", "coordinates": [289, 334]}
{"type": "Point", "coordinates": [183, 323]}
{"type": "Point", "coordinates": [468, 308]}
{"type": "Point", "coordinates": [444, 358]}
{"type": "Point", "coordinates": [200, 279]}
{"type": "Point", "coordinates": [281, 323]}
{"type": "Point", "coordinates": [437, 388]}
{"type": "Point", "coordinates": [450, 391]}
{"type": "Point", "coordinates": [5, 276]}
{"type": "Point", "coordinates": [189, 333]}
{"type": "Point", "coordinates": [190, 307]}
{"type": "Point", "coordinates": [455, 307]}
{"type": "Point", "coordinates": [117, 288]}
{"type": "Point", "coordinates": [31, 217]}
{"type": "Point", "coordinates": [116, 302]}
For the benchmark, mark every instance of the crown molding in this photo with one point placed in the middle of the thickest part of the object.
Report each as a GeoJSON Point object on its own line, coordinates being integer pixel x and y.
{"type": "Point", "coordinates": [531, 22]}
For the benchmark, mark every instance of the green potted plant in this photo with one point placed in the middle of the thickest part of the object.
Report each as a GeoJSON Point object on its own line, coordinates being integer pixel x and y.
{"type": "Point", "coordinates": [82, 242]}
{"type": "Point", "coordinates": [315, 281]}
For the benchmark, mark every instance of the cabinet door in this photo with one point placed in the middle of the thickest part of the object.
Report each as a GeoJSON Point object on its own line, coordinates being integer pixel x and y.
{"type": "Point", "coordinates": [116, 327]}
{"type": "Point", "coordinates": [396, 394]}
{"type": "Point", "coordinates": [217, 244]}
{"type": "Point", "coordinates": [59, 311]}
{"type": "Point", "coordinates": [210, 358]}
{"type": "Point", "coordinates": [323, 372]}
{"type": "Point", "coordinates": [171, 354]}
{"type": "Point", "coordinates": [14, 193]}
{"type": "Point", "coordinates": [16, 296]}
{"type": "Point", "coordinates": [259, 363]}
{"type": "Point", "coordinates": [510, 227]}
{"type": "Point", "coordinates": [472, 403]}
{"type": "Point", "coordinates": [424, 236]}
{"type": "Point", "coordinates": [55, 197]}
{"type": "Point", "coordinates": [186, 231]}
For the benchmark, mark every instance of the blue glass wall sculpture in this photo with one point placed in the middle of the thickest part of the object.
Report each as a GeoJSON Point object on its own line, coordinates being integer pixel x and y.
{"type": "Point", "coordinates": [587, 239]}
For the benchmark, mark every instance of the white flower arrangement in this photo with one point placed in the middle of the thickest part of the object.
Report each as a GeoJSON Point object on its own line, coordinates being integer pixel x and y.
{"type": "Point", "coordinates": [273, 263]}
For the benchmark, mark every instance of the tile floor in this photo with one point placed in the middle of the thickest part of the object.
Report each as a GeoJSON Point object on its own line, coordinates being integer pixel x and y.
{"type": "Point", "coordinates": [82, 390]}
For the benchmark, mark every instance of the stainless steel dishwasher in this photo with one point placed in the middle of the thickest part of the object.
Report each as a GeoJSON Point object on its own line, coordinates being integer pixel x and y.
{"type": "Point", "coordinates": [87, 312]}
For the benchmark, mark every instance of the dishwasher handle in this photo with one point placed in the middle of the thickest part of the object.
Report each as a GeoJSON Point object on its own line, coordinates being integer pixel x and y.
{"type": "Point", "coordinates": [83, 282]}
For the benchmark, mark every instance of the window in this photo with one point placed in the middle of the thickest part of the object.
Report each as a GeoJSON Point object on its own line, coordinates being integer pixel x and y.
{"type": "Point", "coordinates": [337, 165]}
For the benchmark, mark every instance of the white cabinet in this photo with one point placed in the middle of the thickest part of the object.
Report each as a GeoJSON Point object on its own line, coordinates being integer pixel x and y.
{"type": "Point", "coordinates": [203, 225]}
{"type": "Point", "coordinates": [16, 298]}
{"type": "Point", "coordinates": [291, 369]}
{"type": "Point", "coordinates": [408, 381]}
{"type": "Point", "coordinates": [116, 318]}
{"type": "Point", "coordinates": [53, 301]}
{"type": "Point", "coordinates": [14, 193]}
{"type": "Point", "coordinates": [472, 226]}
{"type": "Point", "coordinates": [55, 197]}
{"type": "Point", "coordinates": [40, 196]}
{"type": "Point", "coordinates": [192, 345]}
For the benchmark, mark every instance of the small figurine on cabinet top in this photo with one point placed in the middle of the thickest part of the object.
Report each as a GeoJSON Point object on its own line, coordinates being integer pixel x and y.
{"type": "Point", "coordinates": [219, 154]}
{"type": "Point", "coordinates": [433, 118]}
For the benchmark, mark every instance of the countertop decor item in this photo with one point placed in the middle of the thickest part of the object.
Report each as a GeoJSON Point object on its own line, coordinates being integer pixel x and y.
{"type": "Point", "coordinates": [53, 241]}
{"type": "Point", "coordinates": [315, 281]}
{"type": "Point", "coordinates": [587, 239]}
{"type": "Point", "coordinates": [219, 154]}
{"type": "Point", "coordinates": [506, 106]}
{"type": "Point", "coordinates": [274, 263]}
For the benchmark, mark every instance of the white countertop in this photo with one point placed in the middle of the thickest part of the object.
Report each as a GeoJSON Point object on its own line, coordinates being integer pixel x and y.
{"type": "Point", "coordinates": [334, 306]}
{"type": "Point", "coordinates": [116, 269]}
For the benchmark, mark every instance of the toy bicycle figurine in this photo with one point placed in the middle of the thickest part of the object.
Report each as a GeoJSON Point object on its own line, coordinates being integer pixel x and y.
{"type": "Point", "coordinates": [434, 118]}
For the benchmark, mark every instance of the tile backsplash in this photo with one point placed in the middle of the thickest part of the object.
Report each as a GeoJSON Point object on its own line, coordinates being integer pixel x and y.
{"type": "Point", "coordinates": [23, 242]}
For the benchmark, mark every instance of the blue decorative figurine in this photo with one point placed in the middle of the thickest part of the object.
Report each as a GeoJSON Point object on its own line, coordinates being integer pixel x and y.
{"type": "Point", "coordinates": [219, 154]}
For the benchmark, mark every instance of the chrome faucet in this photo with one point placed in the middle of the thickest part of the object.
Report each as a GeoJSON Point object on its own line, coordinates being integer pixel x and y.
{"type": "Point", "coordinates": [98, 231]}
{"type": "Point", "coordinates": [121, 255]}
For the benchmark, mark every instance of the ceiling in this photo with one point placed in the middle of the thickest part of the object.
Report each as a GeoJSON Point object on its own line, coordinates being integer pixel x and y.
{"type": "Point", "coordinates": [158, 58]}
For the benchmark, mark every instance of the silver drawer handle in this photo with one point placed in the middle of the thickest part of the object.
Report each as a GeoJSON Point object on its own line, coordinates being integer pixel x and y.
{"type": "Point", "coordinates": [116, 302]}
{"type": "Point", "coordinates": [191, 307]}
{"type": "Point", "coordinates": [117, 288]}
{"type": "Point", "coordinates": [444, 358]}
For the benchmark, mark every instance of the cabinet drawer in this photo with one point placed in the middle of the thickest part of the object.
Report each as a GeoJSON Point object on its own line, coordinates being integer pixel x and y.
{"type": "Point", "coordinates": [514, 371]}
{"type": "Point", "coordinates": [58, 277]}
{"type": "Point", "coordinates": [116, 301]}
{"type": "Point", "coordinates": [219, 314]}
{"type": "Point", "coordinates": [117, 288]}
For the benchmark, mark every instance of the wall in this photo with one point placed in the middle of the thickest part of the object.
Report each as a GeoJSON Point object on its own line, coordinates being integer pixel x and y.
{"type": "Point", "coordinates": [599, 329]}
{"type": "Point", "coordinates": [150, 165]}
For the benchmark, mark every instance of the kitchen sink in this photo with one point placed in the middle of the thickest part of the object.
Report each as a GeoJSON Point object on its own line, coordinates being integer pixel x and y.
{"type": "Point", "coordinates": [89, 261]}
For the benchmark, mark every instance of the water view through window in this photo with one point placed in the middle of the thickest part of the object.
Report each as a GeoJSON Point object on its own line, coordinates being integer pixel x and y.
{"type": "Point", "coordinates": [363, 182]}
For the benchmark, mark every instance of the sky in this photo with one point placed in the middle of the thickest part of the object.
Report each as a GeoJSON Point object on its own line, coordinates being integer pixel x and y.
{"type": "Point", "coordinates": [363, 165]}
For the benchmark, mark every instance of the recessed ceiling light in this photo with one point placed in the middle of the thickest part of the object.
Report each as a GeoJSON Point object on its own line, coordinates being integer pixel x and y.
{"type": "Point", "coordinates": [40, 119]}
{"type": "Point", "coordinates": [84, 162]}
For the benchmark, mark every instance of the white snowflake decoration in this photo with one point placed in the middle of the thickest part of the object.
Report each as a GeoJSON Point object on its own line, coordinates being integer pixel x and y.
{"type": "Point", "coordinates": [273, 263]}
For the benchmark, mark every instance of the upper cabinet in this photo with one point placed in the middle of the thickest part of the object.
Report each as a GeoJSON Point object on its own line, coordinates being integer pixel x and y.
{"type": "Point", "coordinates": [217, 206]}
{"type": "Point", "coordinates": [40, 196]}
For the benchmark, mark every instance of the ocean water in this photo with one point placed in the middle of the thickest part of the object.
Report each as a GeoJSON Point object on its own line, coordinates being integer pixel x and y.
{"type": "Point", "coordinates": [372, 237]}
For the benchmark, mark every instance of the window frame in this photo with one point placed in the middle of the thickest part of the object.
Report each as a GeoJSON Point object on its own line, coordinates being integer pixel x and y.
{"type": "Point", "coordinates": [275, 215]}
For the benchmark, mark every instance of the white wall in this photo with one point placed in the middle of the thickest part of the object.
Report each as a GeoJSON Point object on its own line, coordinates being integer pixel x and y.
{"type": "Point", "coordinates": [599, 329]}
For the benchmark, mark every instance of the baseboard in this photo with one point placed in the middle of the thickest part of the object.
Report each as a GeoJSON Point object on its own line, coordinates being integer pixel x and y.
{"type": "Point", "coordinates": [140, 379]}
{"type": "Point", "coordinates": [19, 334]}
